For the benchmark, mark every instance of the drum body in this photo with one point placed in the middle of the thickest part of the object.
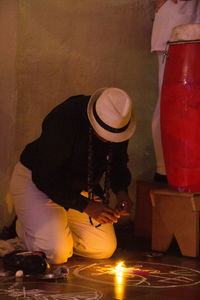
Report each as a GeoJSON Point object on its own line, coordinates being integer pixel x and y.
{"type": "Point", "coordinates": [180, 115]}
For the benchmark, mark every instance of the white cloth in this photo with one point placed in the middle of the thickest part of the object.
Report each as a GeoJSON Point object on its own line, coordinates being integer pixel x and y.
{"type": "Point", "coordinates": [46, 226]}
{"type": "Point", "coordinates": [168, 16]}
{"type": "Point", "coordinates": [156, 128]}
{"type": "Point", "coordinates": [7, 246]}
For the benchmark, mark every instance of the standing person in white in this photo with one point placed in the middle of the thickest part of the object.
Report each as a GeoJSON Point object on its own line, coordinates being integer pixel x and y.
{"type": "Point", "coordinates": [168, 14]}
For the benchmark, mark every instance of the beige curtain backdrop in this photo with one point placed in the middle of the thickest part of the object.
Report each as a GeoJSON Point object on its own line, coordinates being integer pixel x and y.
{"type": "Point", "coordinates": [52, 49]}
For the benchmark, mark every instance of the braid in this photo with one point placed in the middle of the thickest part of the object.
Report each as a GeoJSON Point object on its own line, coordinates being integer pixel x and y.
{"type": "Point", "coordinates": [90, 166]}
{"type": "Point", "coordinates": [106, 197]}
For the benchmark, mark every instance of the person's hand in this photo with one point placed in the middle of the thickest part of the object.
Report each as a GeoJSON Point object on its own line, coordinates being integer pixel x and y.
{"type": "Point", "coordinates": [101, 213]}
{"type": "Point", "coordinates": [160, 3]}
{"type": "Point", "coordinates": [124, 204]}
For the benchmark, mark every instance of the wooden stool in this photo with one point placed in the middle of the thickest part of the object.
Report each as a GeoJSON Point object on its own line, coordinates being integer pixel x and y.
{"type": "Point", "coordinates": [176, 215]}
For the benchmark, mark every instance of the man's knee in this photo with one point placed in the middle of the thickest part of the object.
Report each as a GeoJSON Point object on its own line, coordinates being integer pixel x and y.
{"type": "Point", "coordinates": [97, 248]}
{"type": "Point", "coordinates": [59, 249]}
{"type": "Point", "coordinates": [107, 250]}
{"type": "Point", "coordinates": [58, 255]}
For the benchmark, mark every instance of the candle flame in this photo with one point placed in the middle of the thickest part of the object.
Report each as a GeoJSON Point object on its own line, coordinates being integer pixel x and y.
{"type": "Point", "coordinates": [119, 267]}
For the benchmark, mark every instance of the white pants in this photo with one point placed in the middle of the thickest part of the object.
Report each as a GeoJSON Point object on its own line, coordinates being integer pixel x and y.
{"type": "Point", "coordinates": [156, 132]}
{"type": "Point", "coordinates": [46, 226]}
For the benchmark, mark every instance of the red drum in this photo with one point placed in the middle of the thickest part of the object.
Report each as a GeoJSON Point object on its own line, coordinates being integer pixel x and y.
{"type": "Point", "coordinates": [180, 109]}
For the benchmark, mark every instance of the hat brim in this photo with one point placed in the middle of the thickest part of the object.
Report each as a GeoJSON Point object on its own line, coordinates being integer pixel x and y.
{"type": "Point", "coordinates": [103, 133]}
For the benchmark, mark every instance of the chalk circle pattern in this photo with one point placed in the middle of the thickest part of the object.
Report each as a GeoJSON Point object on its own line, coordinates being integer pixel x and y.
{"type": "Point", "coordinates": [160, 275]}
{"type": "Point", "coordinates": [48, 291]}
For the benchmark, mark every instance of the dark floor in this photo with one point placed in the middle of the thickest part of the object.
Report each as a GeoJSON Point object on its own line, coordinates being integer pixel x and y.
{"type": "Point", "coordinates": [168, 276]}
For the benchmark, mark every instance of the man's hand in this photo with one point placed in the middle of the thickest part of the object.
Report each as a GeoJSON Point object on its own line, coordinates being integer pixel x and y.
{"type": "Point", "coordinates": [160, 3]}
{"type": "Point", "coordinates": [124, 204]}
{"type": "Point", "coordinates": [101, 213]}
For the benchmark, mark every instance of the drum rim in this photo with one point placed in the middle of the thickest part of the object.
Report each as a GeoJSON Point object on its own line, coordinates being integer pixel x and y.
{"type": "Point", "coordinates": [183, 42]}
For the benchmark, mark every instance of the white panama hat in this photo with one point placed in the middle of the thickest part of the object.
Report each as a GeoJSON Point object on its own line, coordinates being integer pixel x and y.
{"type": "Point", "coordinates": [110, 113]}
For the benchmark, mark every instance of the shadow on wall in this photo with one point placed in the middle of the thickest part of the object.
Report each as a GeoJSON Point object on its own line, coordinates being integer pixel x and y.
{"type": "Point", "coordinates": [67, 48]}
{"type": "Point", "coordinates": [7, 154]}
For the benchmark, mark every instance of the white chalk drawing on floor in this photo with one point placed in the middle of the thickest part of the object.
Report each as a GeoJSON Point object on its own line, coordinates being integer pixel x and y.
{"type": "Point", "coordinates": [162, 275]}
{"type": "Point", "coordinates": [22, 291]}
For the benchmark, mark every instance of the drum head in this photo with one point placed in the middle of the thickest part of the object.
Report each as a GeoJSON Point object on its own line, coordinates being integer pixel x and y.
{"type": "Point", "coordinates": [185, 33]}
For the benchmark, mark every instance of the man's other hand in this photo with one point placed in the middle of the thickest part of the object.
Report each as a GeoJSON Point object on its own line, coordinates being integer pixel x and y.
{"type": "Point", "coordinates": [101, 213]}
